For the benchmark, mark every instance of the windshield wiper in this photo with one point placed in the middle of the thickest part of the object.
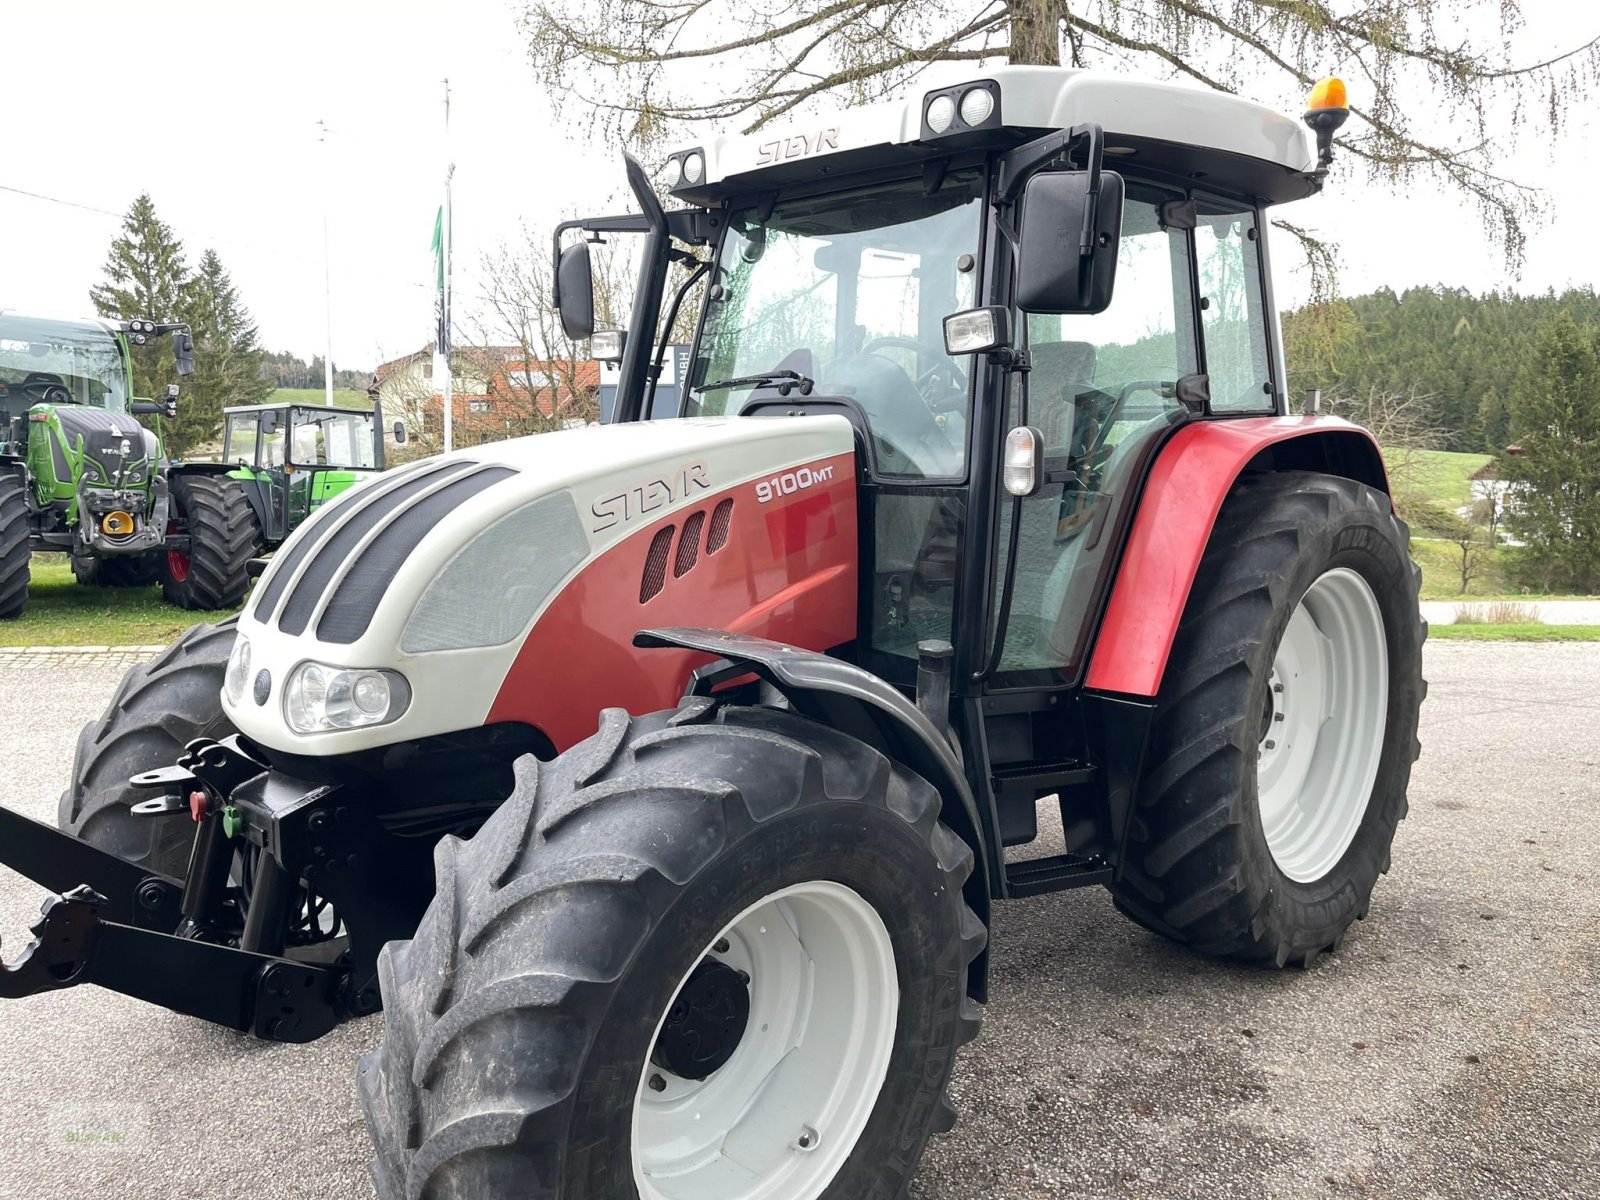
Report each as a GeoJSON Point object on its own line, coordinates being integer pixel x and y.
{"type": "Point", "coordinates": [784, 381]}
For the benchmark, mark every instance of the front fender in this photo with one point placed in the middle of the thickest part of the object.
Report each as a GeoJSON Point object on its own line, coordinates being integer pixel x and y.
{"type": "Point", "coordinates": [1190, 479]}
{"type": "Point", "coordinates": [845, 697]}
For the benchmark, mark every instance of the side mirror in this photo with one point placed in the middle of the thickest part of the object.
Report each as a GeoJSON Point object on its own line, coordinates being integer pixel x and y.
{"type": "Point", "coordinates": [575, 291]}
{"type": "Point", "coordinates": [269, 422]}
{"type": "Point", "coordinates": [183, 352]}
{"type": "Point", "coordinates": [399, 433]}
{"type": "Point", "coordinates": [1067, 256]}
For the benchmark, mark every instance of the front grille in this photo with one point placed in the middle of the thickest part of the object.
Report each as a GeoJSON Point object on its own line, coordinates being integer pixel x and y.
{"type": "Point", "coordinates": [341, 544]}
{"type": "Point", "coordinates": [287, 561]}
{"type": "Point", "coordinates": [350, 610]}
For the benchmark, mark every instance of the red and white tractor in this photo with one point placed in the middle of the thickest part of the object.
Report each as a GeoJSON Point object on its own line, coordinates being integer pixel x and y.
{"type": "Point", "coordinates": [679, 763]}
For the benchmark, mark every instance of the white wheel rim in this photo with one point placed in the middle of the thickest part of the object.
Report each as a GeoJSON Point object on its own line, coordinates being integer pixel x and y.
{"type": "Point", "coordinates": [1322, 731]}
{"type": "Point", "coordinates": [782, 1115]}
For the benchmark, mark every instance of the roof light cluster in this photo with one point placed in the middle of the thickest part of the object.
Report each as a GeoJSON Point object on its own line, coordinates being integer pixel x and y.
{"type": "Point", "coordinates": [961, 109]}
{"type": "Point", "coordinates": [686, 168]}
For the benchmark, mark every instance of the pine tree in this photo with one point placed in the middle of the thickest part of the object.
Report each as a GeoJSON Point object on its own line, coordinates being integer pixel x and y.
{"type": "Point", "coordinates": [227, 359]}
{"type": "Point", "coordinates": [1555, 416]}
{"type": "Point", "coordinates": [145, 277]}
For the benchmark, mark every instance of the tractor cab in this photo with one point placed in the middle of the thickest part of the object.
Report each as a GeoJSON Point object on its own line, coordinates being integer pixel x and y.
{"type": "Point", "coordinates": [293, 458]}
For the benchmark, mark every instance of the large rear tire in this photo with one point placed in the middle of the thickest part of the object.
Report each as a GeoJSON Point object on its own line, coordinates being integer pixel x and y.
{"type": "Point", "coordinates": [159, 708]}
{"type": "Point", "coordinates": [1285, 729]}
{"type": "Point", "coordinates": [14, 548]}
{"type": "Point", "coordinates": [223, 538]}
{"type": "Point", "coordinates": [573, 997]}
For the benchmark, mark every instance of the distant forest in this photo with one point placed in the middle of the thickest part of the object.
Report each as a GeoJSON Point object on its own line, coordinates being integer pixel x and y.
{"type": "Point", "coordinates": [1470, 355]}
{"type": "Point", "coordinates": [290, 371]}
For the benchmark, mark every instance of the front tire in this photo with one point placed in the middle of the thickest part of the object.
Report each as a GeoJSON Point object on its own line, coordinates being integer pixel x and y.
{"type": "Point", "coordinates": [606, 910]}
{"type": "Point", "coordinates": [223, 538]}
{"type": "Point", "coordinates": [14, 549]}
{"type": "Point", "coordinates": [159, 708]}
{"type": "Point", "coordinates": [1285, 729]}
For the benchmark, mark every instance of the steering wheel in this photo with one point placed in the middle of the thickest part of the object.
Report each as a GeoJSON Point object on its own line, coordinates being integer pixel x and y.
{"type": "Point", "coordinates": [951, 396]}
{"type": "Point", "coordinates": [902, 424]}
{"type": "Point", "coordinates": [48, 387]}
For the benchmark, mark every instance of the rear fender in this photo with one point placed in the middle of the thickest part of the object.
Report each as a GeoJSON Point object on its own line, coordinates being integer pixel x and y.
{"type": "Point", "coordinates": [845, 697]}
{"type": "Point", "coordinates": [1187, 485]}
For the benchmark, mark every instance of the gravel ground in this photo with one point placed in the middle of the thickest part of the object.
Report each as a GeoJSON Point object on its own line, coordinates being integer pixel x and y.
{"type": "Point", "coordinates": [1451, 1049]}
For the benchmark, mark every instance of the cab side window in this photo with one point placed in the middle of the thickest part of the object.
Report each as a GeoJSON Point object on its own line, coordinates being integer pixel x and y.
{"type": "Point", "coordinates": [1227, 244]}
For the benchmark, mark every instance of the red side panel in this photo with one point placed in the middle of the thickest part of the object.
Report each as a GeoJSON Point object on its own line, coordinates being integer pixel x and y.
{"type": "Point", "coordinates": [787, 571]}
{"type": "Point", "coordinates": [1180, 505]}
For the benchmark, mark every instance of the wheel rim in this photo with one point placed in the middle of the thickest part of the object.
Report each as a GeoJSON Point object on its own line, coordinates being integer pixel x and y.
{"type": "Point", "coordinates": [1322, 725]}
{"type": "Point", "coordinates": [780, 1116]}
{"type": "Point", "coordinates": [177, 560]}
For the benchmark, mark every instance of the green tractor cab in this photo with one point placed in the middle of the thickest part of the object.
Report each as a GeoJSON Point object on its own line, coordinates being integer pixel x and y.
{"type": "Point", "coordinates": [291, 459]}
{"type": "Point", "coordinates": [80, 472]}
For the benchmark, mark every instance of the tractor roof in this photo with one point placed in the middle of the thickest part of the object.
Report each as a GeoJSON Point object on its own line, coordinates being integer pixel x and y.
{"type": "Point", "coordinates": [1235, 144]}
{"type": "Point", "coordinates": [20, 325]}
{"type": "Point", "coordinates": [283, 405]}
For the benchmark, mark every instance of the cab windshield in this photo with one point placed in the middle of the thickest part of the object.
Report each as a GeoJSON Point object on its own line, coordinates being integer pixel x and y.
{"type": "Point", "coordinates": [332, 439]}
{"type": "Point", "coordinates": [850, 290]}
{"type": "Point", "coordinates": [59, 362]}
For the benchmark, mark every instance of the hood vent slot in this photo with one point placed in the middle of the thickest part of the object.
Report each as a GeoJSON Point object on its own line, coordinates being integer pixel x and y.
{"type": "Point", "coordinates": [655, 564]}
{"type": "Point", "coordinates": [689, 545]}
{"type": "Point", "coordinates": [721, 521]}
{"type": "Point", "coordinates": [356, 599]}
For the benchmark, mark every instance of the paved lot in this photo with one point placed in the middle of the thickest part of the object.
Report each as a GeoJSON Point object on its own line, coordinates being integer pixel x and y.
{"type": "Point", "coordinates": [1452, 1049]}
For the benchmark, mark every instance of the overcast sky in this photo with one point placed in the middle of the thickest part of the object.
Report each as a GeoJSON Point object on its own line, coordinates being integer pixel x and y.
{"type": "Point", "coordinates": [213, 109]}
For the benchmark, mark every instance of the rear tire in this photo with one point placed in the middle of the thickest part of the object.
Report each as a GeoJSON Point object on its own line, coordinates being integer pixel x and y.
{"type": "Point", "coordinates": [522, 1018]}
{"type": "Point", "coordinates": [223, 538]}
{"type": "Point", "coordinates": [14, 548]}
{"type": "Point", "coordinates": [159, 707]}
{"type": "Point", "coordinates": [1286, 726]}
{"type": "Point", "coordinates": [123, 571]}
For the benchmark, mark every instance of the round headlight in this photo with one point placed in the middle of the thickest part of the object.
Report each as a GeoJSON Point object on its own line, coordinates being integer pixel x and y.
{"type": "Point", "coordinates": [238, 670]}
{"type": "Point", "coordinates": [370, 692]}
{"type": "Point", "coordinates": [694, 167]}
{"type": "Point", "coordinates": [941, 112]}
{"type": "Point", "coordinates": [976, 105]}
{"type": "Point", "coordinates": [672, 173]}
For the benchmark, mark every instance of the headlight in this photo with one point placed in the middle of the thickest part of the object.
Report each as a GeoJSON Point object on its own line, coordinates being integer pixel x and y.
{"type": "Point", "coordinates": [237, 676]}
{"type": "Point", "coordinates": [940, 113]}
{"type": "Point", "coordinates": [319, 698]}
{"type": "Point", "coordinates": [694, 166]}
{"type": "Point", "coordinates": [672, 173]}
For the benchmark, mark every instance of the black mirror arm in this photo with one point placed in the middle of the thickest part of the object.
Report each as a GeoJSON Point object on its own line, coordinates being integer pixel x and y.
{"type": "Point", "coordinates": [1027, 160]}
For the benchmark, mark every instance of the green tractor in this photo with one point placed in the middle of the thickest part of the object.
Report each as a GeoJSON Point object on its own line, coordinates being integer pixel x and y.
{"type": "Point", "coordinates": [291, 459]}
{"type": "Point", "coordinates": [81, 475]}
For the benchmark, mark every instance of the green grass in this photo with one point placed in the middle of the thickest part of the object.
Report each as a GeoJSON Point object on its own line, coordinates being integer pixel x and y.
{"type": "Point", "coordinates": [1440, 477]}
{"type": "Point", "coordinates": [61, 612]}
{"type": "Point", "coordinates": [1515, 633]}
{"type": "Point", "coordinates": [343, 397]}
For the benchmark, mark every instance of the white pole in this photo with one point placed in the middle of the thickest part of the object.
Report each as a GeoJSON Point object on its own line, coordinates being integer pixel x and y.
{"type": "Point", "coordinates": [327, 286]}
{"type": "Point", "coordinates": [449, 383]}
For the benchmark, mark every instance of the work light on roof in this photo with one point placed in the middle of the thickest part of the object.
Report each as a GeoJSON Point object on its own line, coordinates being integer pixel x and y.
{"type": "Point", "coordinates": [976, 105]}
{"type": "Point", "coordinates": [694, 167]}
{"type": "Point", "coordinates": [941, 111]}
{"type": "Point", "coordinates": [672, 173]}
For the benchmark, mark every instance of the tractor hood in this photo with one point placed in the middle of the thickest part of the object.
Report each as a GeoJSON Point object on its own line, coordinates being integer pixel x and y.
{"type": "Point", "coordinates": [404, 608]}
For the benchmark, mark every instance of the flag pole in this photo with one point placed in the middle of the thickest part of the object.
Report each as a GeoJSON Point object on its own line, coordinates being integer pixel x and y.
{"type": "Point", "coordinates": [444, 320]}
{"type": "Point", "coordinates": [327, 286]}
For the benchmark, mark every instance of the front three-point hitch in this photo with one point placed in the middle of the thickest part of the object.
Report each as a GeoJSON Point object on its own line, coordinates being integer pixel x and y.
{"type": "Point", "coordinates": [274, 931]}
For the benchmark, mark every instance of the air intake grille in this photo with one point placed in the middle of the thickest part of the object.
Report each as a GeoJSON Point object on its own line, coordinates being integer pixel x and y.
{"type": "Point", "coordinates": [655, 564]}
{"type": "Point", "coordinates": [689, 545]}
{"type": "Point", "coordinates": [721, 519]}
{"type": "Point", "coordinates": [288, 560]}
{"type": "Point", "coordinates": [350, 610]}
{"type": "Point", "coordinates": [341, 545]}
